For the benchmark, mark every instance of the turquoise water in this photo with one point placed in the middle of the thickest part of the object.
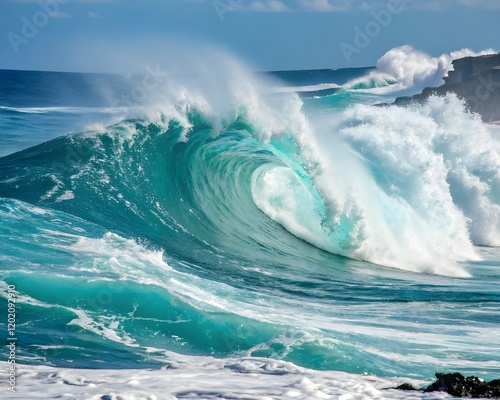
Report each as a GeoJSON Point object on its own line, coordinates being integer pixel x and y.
{"type": "Point", "coordinates": [320, 231]}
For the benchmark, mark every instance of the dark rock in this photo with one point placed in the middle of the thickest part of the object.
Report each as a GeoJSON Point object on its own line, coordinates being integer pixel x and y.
{"type": "Point", "coordinates": [459, 386]}
{"type": "Point", "coordinates": [406, 387]}
{"type": "Point", "coordinates": [470, 66]}
{"type": "Point", "coordinates": [474, 79]}
{"type": "Point", "coordinates": [493, 389]}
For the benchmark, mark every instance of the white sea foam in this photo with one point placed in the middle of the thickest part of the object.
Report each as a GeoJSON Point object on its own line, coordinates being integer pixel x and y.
{"type": "Point", "coordinates": [413, 70]}
{"type": "Point", "coordinates": [408, 188]}
{"type": "Point", "coordinates": [206, 378]}
{"type": "Point", "coordinates": [67, 195]}
{"type": "Point", "coordinates": [391, 186]}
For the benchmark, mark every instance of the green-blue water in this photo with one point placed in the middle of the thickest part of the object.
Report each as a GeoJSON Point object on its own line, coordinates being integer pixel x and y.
{"type": "Point", "coordinates": [322, 231]}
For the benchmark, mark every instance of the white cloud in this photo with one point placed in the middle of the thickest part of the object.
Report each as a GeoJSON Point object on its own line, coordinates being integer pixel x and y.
{"type": "Point", "coordinates": [493, 4]}
{"type": "Point", "coordinates": [267, 6]}
{"type": "Point", "coordinates": [324, 5]}
{"type": "Point", "coordinates": [350, 5]}
{"type": "Point", "coordinates": [92, 14]}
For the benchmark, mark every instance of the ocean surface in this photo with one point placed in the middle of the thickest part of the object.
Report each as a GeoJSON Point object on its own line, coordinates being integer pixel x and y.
{"type": "Point", "coordinates": [217, 233]}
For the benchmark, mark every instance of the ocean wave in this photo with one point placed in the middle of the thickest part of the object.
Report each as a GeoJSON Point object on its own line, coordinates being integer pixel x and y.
{"type": "Point", "coordinates": [413, 195]}
{"type": "Point", "coordinates": [405, 71]}
{"type": "Point", "coordinates": [218, 158]}
{"type": "Point", "coordinates": [307, 88]}
{"type": "Point", "coordinates": [224, 221]}
{"type": "Point", "coordinates": [66, 110]}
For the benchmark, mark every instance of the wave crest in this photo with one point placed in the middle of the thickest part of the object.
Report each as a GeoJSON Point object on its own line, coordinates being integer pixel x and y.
{"type": "Point", "coordinates": [225, 165]}
{"type": "Point", "coordinates": [412, 70]}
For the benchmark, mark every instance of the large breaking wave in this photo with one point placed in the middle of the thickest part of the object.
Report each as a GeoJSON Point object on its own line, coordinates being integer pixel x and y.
{"type": "Point", "coordinates": [408, 71]}
{"type": "Point", "coordinates": [227, 165]}
{"type": "Point", "coordinates": [224, 227]}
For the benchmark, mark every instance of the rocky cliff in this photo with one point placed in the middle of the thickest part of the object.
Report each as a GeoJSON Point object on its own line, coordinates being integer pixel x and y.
{"type": "Point", "coordinates": [475, 79]}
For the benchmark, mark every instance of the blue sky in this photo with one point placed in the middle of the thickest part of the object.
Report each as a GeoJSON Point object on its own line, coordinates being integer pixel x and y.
{"type": "Point", "coordinates": [78, 35]}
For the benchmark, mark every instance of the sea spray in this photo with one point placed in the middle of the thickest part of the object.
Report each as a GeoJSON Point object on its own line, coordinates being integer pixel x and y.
{"type": "Point", "coordinates": [222, 227]}
{"type": "Point", "coordinates": [408, 71]}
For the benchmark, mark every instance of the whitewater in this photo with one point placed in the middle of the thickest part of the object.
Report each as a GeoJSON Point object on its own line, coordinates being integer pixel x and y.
{"type": "Point", "coordinates": [204, 231]}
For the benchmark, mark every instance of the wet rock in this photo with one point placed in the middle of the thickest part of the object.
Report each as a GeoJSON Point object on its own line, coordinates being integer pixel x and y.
{"type": "Point", "coordinates": [406, 387]}
{"type": "Point", "coordinates": [459, 386]}
{"type": "Point", "coordinates": [474, 79]}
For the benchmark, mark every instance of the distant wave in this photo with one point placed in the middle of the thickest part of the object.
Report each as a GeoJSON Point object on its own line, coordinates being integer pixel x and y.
{"type": "Point", "coordinates": [68, 110]}
{"type": "Point", "coordinates": [409, 71]}
{"type": "Point", "coordinates": [308, 88]}
{"type": "Point", "coordinates": [373, 80]}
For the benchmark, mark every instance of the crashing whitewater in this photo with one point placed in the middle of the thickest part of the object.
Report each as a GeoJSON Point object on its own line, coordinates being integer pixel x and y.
{"type": "Point", "coordinates": [256, 239]}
